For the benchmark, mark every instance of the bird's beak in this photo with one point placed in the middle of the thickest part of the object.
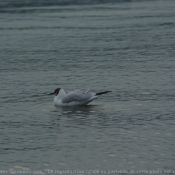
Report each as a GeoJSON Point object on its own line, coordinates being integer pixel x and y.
{"type": "Point", "coordinates": [52, 93]}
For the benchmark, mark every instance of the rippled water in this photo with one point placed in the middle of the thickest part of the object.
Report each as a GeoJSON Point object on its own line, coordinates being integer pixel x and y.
{"type": "Point", "coordinates": [126, 47]}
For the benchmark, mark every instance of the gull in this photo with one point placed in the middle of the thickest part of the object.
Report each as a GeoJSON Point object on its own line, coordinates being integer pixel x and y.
{"type": "Point", "coordinates": [74, 98]}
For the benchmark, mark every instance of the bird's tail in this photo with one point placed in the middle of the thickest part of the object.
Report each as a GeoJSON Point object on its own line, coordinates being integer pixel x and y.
{"type": "Point", "coordinates": [100, 93]}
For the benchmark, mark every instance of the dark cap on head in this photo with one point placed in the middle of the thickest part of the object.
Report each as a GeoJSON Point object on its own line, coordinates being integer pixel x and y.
{"type": "Point", "coordinates": [55, 92]}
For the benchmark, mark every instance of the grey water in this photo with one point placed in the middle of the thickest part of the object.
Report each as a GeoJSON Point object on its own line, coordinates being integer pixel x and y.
{"type": "Point", "coordinates": [123, 46]}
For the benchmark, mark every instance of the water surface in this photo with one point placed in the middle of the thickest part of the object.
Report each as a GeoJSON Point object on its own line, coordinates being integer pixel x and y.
{"type": "Point", "coordinates": [126, 47]}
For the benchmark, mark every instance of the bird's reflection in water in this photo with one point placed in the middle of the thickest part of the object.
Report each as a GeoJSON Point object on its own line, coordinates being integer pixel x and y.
{"type": "Point", "coordinates": [98, 116]}
{"type": "Point", "coordinates": [77, 116]}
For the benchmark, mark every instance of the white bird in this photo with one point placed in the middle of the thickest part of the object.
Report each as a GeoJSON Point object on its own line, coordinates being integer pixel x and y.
{"type": "Point", "coordinates": [74, 98]}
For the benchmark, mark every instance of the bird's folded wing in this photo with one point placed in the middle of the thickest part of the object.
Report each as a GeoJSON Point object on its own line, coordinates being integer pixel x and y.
{"type": "Point", "coordinates": [78, 97]}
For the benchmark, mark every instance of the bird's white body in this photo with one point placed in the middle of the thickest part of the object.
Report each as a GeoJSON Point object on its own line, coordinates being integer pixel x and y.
{"type": "Point", "coordinates": [74, 98]}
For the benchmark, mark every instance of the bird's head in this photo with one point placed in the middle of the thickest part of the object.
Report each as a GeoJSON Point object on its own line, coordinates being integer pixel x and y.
{"type": "Point", "coordinates": [56, 91]}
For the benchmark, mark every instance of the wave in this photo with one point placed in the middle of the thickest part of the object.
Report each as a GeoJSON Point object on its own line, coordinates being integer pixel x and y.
{"type": "Point", "coordinates": [36, 3]}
